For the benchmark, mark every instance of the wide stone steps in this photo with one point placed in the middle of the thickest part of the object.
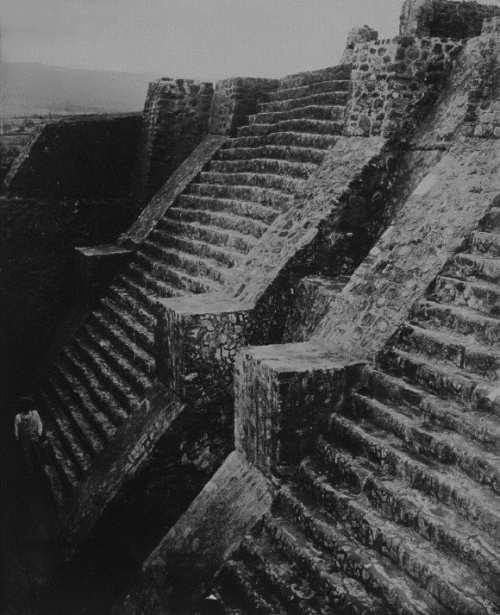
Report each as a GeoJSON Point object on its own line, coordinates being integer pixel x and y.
{"type": "Point", "coordinates": [317, 112]}
{"type": "Point", "coordinates": [178, 278]}
{"type": "Point", "coordinates": [451, 349]}
{"type": "Point", "coordinates": [480, 296]}
{"type": "Point", "coordinates": [210, 234]}
{"type": "Point", "coordinates": [144, 296]}
{"type": "Point", "coordinates": [132, 301]}
{"type": "Point", "coordinates": [288, 139]}
{"type": "Point", "coordinates": [273, 152]}
{"type": "Point", "coordinates": [311, 89]}
{"type": "Point", "coordinates": [331, 73]}
{"type": "Point", "coordinates": [445, 578]}
{"type": "Point", "coordinates": [141, 273]}
{"type": "Point", "coordinates": [276, 199]}
{"type": "Point", "coordinates": [139, 334]}
{"type": "Point", "coordinates": [485, 243]}
{"type": "Point", "coordinates": [250, 209]}
{"type": "Point", "coordinates": [276, 166]}
{"type": "Point", "coordinates": [224, 256]}
{"type": "Point", "coordinates": [263, 180]}
{"type": "Point", "coordinates": [322, 127]}
{"type": "Point", "coordinates": [393, 499]}
{"type": "Point", "coordinates": [324, 95]}
{"type": "Point", "coordinates": [445, 446]}
{"type": "Point", "coordinates": [346, 554]}
{"type": "Point", "coordinates": [474, 267]}
{"type": "Point", "coordinates": [194, 265]}
{"type": "Point", "coordinates": [457, 320]}
{"type": "Point", "coordinates": [442, 483]}
{"type": "Point", "coordinates": [66, 471]}
{"type": "Point", "coordinates": [482, 427]}
{"type": "Point", "coordinates": [226, 221]}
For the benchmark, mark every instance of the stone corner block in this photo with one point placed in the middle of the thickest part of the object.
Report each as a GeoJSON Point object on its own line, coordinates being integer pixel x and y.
{"type": "Point", "coordinates": [197, 339]}
{"type": "Point", "coordinates": [96, 266]}
{"type": "Point", "coordinates": [284, 395]}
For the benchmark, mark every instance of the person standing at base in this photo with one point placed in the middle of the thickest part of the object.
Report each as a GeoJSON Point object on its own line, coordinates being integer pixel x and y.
{"type": "Point", "coordinates": [28, 430]}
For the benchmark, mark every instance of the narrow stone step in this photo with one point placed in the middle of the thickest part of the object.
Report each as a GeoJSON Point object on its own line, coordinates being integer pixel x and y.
{"type": "Point", "coordinates": [209, 234]}
{"type": "Point", "coordinates": [158, 287]}
{"type": "Point", "coordinates": [451, 583]}
{"type": "Point", "coordinates": [85, 385]}
{"type": "Point", "coordinates": [341, 590]}
{"type": "Point", "coordinates": [279, 152]}
{"type": "Point", "coordinates": [197, 266]}
{"type": "Point", "coordinates": [482, 427]}
{"type": "Point", "coordinates": [88, 433]}
{"type": "Point", "coordinates": [303, 91]}
{"type": "Point", "coordinates": [264, 180]}
{"type": "Point", "coordinates": [322, 127]}
{"type": "Point", "coordinates": [283, 138]}
{"type": "Point", "coordinates": [457, 320]}
{"type": "Point", "coordinates": [480, 296]}
{"type": "Point", "coordinates": [66, 472]}
{"type": "Point", "coordinates": [250, 209]}
{"type": "Point", "coordinates": [451, 349]}
{"type": "Point", "coordinates": [322, 96]}
{"type": "Point", "coordinates": [276, 199]}
{"type": "Point", "coordinates": [300, 170]}
{"type": "Point", "coordinates": [226, 221]}
{"type": "Point", "coordinates": [175, 277]}
{"type": "Point", "coordinates": [70, 443]}
{"type": "Point", "coordinates": [330, 73]}
{"type": "Point", "coordinates": [408, 507]}
{"type": "Point", "coordinates": [142, 336]}
{"type": "Point", "coordinates": [317, 112]}
{"type": "Point", "coordinates": [128, 302]}
{"type": "Point", "coordinates": [474, 267]}
{"type": "Point", "coordinates": [134, 364]}
{"type": "Point", "coordinates": [476, 504]}
{"type": "Point", "coordinates": [445, 446]}
{"type": "Point", "coordinates": [491, 222]}
{"type": "Point", "coordinates": [346, 554]}
{"type": "Point", "coordinates": [225, 256]}
{"type": "Point", "coordinates": [486, 243]}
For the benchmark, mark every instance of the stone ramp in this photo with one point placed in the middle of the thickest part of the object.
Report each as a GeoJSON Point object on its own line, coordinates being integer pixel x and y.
{"type": "Point", "coordinates": [101, 376]}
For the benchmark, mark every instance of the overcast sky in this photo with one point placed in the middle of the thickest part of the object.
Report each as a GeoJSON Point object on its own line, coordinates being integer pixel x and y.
{"type": "Point", "coordinates": [189, 38]}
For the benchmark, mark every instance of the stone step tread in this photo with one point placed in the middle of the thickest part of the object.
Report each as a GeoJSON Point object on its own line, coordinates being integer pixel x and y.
{"type": "Point", "coordinates": [386, 579]}
{"type": "Point", "coordinates": [66, 470]}
{"type": "Point", "coordinates": [162, 288]}
{"type": "Point", "coordinates": [484, 425]}
{"type": "Point", "coordinates": [129, 323]}
{"type": "Point", "coordinates": [278, 152]}
{"type": "Point", "coordinates": [223, 220]}
{"type": "Point", "coordinates": [485, 267]}
{"type": "Point", "coordinates": [121, 297]}
{"type": "Point", "coordinates": [289, 540]}
{"type": "Point", "coordinates": [394, 499]}
{"type": "Point", "coordinates": [170, 273]}
{"type": "Point", "coordinates": [251, 209]}
{"type": "Point", "coordinates": [85, 384]}
{"type": "Point", "coordinates": [184, 228]}
{"type": "Point", "coordinates": [59, 397]}
{"type": "Point", "coordinates": [179, 257]}
{"type": "Point", "coordinates": [297, 91]}
{"type": "Point", "coordinates": [272, 180]}
{"type": "Point", "coordinates": [482, 284]}
{"type": "Point", "coordinates": [196, 246]}
{"type": "Point", "coordinates": [449, 480]}
{"type": "Point", "coordinates": [66, 383]}
{"type": "Point", "coordinates": [149, 295]}
{"type": "Point", "coordinates": [446, 446]}
{"type": "Point", "coordinates": [262, 194]}
{"type": "Point", "coordinates": [271, 166]}
{"type": "Point", "coordinates": [490, 236]}
{"type": "Point", "coordinates": [449, 580]}
{"type": "Point", "coordinates": [287, 138]}
{"type": "Point", "coordinates": [328, 127]}
{"type": "Point", "coordinates": [79, 454]}
{"type": "Point", "coordinates": [324, 97]}
{"type": "Point", "coordinates": [319, 111]}
{"type": "Point", "coordinates": [465, 313]}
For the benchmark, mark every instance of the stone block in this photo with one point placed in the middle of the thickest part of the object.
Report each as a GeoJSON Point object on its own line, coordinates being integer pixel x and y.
{"type": "Point", "coordinates": [199, 337]}
{"type": "Point", "coordinates": [284, 395]}
{"type": "Point", "coordinates": [97, 265]}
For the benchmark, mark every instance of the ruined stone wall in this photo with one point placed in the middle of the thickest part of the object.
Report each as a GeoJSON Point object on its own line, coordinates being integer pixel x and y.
{"type": "Point", "coordinates": [175, 120]}
{"type": "Point", "coordinates": [80, 157]}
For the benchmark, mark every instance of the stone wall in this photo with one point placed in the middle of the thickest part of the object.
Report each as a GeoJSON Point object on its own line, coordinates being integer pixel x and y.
{"type": "Point", "coordinates": [444, 18]}
{"type": "Point", "coordinates": [80, 157]}
{"type": "Point", "coordinates": [175, 120]}
{"type": "Point", "coordinates": [234, 100]}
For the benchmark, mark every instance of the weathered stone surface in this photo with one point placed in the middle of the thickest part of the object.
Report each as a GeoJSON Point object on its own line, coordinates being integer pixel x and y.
{"type": "Point", "coordinates": [97, 265]}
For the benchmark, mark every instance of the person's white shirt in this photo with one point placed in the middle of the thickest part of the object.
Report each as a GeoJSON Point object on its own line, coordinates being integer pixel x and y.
{"type": "Point", "coordinates": [30, 422]}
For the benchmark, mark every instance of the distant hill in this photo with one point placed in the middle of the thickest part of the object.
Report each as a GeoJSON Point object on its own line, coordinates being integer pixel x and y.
{"type": "Point", "coordinates": [28, 88]}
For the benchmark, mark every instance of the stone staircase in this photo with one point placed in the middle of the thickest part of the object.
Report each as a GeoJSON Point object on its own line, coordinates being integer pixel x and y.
{"type": "Point", "coordinates": [397, 509]}
{"type": "Point", "coordinates": [102, 374]}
